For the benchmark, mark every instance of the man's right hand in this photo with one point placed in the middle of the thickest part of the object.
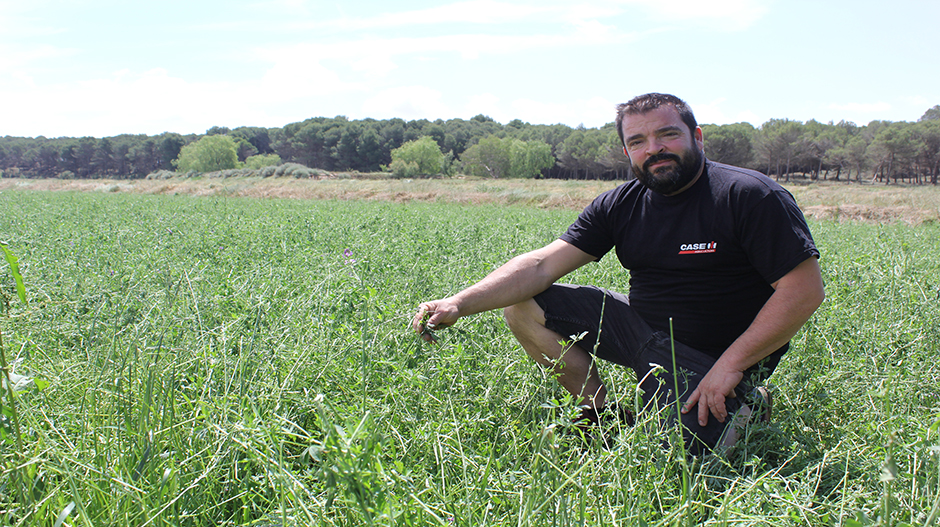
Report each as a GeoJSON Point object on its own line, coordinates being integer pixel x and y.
{"type": "Point", "coordinates": [432, 315]}
{"type": "Point", "coordinates": [518, 279]}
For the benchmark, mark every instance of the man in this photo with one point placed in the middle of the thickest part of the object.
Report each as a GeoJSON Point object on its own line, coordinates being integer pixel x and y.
{"type": "Point", "coordinates": [719, 257]}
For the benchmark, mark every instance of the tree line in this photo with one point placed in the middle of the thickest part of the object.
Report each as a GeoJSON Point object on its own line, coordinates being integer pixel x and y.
{"type": "Point", "coordinates": [884, 151]}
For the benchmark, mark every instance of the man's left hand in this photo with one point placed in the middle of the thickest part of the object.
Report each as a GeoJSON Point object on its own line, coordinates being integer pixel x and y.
{"type": "Point", "coordinates": [711, 393]}
{"type": "Point", "coordinates": [796, 296]}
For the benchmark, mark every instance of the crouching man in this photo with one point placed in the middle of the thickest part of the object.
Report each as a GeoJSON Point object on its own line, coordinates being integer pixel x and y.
{"type": "Point", "coordinates": [721, 251]}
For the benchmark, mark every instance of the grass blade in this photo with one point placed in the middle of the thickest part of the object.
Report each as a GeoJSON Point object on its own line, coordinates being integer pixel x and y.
{"type": "Point", "coordinates": [15, 271]}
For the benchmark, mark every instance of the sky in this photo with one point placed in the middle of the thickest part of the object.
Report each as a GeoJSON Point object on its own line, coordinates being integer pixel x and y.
{"type": "Point", "coordinates": [107, 67]}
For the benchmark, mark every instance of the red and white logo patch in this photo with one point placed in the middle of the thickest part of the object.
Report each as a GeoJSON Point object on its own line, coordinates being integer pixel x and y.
{"type": "Point", "coordinates": [698, 248]}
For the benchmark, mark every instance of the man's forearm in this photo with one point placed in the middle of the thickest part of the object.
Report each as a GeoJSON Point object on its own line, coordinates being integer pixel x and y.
{"type": "Point", "coordinates": [518, 279]}
{"type": "Point", "coordinates": [784, 313]}
{"type": "Point", "coordinates": [521, 278]}
{"type": "Point", "coordinates": [515, 281]}
{"type": "Point", "coordinates": [796, 296]}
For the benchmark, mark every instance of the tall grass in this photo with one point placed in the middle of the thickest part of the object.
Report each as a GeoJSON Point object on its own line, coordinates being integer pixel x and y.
{"type": "Point", "coordinates": [235, 361]}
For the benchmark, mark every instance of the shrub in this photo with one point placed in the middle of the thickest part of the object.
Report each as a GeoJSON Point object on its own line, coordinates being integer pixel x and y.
{"type": "Point", "coordinates": [507, 157]}
{"type": "Point", "coordinates": [161, 174]}
{"type": "Point", "coordinates": [263, 160]}
{"type": "Point", "coordinates": [209, 154]}
{"type": "Point", "coordinates": [404, 169]}
{"type": "Point", "coordinates": [421, 157]}
{"type": "Point", "coordinates": [298, 171]}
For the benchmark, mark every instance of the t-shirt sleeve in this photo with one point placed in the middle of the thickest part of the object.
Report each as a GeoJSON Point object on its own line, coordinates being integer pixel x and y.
{"type": "Point", "coordinates": [775, 236]}
{"type": "Point", "coordinates": [591, 232]}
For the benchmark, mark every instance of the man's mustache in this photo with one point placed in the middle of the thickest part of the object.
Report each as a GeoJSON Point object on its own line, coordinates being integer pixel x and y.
{"type": "Point", "coordinates": [656, 158]}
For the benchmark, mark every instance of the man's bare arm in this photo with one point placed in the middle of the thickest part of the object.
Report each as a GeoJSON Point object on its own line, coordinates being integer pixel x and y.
{"type": "Point", "coordinates": [796, 297]}
{"type": "Point", "coordinates": [518, 279]}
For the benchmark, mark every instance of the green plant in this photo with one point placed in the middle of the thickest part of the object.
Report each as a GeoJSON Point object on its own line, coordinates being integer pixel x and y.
{"type": "Point", "coordinates": [8, 411]}
{"type": "Point", "coordinates": [186, 341]}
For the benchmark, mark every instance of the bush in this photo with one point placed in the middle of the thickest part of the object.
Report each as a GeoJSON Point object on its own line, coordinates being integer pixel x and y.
{"type": "Point", "coordinates": [422, 157]}
{"type": "Point", "coordinates": [293, 170]}
{"type": "Point", "coordinates": [507, 157]}
{"type": "Point", "coordinates": [298, 171]}
{"type": "Point", "coordinates": [209, 154]}
{"type": "Point", "coordinates": [404, 169]}
{"type": "Point", "coordinates": [261, 161]}
{"type": "Point", "coordinates": [161, 174]}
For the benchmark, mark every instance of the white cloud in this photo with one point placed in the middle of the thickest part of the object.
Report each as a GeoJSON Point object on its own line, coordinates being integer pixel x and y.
{"type": "Point", "coordinates": [712, 112]}
{"type": "Point", "coordinates": [377, 55]}
{"type": "Point", "coordinates": [150, 102]}
{"type": "Point", "coordinates": [17, 20]}
{"type": "Point", "coordinates": [471, 12]}
{"type": "Point", "coordinates": [733, 15]}
{"type": "Point", "coordinates": [19, 59]}
{"type": "Point", "coordinates": [298, 75]}
{"type": "Point", "coordinates": [486, 104]}
{"type": "Point", "coordinates": [876, 107]}
{"type": "Point", "coordinates": [592, 113]}
{"type": "Point", "coordinates": [593, 31]}
{"type": "Point", "coordinates": [376, 64]}
{"type": "Point", "coordinates": [747, 116]}
{"type": "Point", "coordinates": [726, 14]}
{"type": "Point", "coordinates": [406, 102]}
{"type": "Point", "coordinates": [917, 100]}
{"type": "Point", "coordinates": [278, 5]}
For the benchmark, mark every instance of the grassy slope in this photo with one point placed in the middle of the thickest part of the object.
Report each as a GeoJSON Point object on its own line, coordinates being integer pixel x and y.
{"type": "Point", "coordinates": [221, 360]}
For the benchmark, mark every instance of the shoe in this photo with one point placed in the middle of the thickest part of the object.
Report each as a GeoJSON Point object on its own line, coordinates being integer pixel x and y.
{"type": "Point", "coordinates": [760, 406]}
{"type": "Point", "coordinates": [608, 415]}
{"type": "Point", "coordinates": [764, 403]}
{"type": "Point", "coordinates": [602, 424]}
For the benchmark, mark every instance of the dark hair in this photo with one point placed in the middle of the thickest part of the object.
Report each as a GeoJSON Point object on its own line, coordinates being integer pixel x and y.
{"type": "Point", "coordinates": [651, 101]}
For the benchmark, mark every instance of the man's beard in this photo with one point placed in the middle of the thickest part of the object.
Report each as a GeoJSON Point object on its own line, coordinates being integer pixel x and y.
{"type": "Point", "coordinates": [670, 179]}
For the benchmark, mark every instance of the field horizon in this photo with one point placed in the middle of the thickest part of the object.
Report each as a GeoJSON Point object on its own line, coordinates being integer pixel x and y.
{"type": "Point", "coordinates": [828, 199]}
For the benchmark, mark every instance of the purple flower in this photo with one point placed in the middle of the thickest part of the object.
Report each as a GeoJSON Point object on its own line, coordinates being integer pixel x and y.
{"type": "Point", "coordinates": [347, 253]}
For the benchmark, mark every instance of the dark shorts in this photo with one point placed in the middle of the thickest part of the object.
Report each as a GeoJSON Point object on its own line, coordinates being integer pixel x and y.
{"type": "Point", "coordinates": [624, 338]}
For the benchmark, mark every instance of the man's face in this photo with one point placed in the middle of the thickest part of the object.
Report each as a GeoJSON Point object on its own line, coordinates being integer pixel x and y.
{"type": "Point", "coordinates": [665, 155]}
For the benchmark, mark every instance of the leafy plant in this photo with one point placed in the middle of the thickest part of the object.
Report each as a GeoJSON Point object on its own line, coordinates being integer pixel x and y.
{"type": "Point", "coordinates": [189, 338]}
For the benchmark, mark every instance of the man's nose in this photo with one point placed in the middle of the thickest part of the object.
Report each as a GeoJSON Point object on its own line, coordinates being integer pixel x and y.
{"type": "Point", "coordinates": [654, 147]}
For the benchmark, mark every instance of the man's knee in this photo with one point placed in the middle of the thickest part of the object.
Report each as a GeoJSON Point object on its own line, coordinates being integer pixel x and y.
{"type": "Point", "coordinates": [524, 314]}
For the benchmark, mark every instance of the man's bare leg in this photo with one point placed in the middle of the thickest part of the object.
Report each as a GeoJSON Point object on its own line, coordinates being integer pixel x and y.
{"type": "Point", "coordinates": [576, 370]}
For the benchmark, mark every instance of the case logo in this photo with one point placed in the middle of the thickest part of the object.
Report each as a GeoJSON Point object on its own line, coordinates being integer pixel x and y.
{"type": "Point", "coordinates": [698, 248]}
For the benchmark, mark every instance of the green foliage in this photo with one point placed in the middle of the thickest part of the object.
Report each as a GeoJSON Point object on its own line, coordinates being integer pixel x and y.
{"type": "Point", "coordinates": [233, 361]}
{"type": "Point", "coordinates": [507, 157]}
{"type": "Point", "coordinates": [10, 432]}
{"type": "Point", "coordinates": [780, 147]}
{"type": "Point", "coordinates": [488, 158]}
{"type": "Point", "coordinates": [932, 114]}
{"type": "Point", "coordinates": [530, 158]}
{"type": "Point", "coordinates": [421, 157]}
{"type": "Point", "coordinates": [584, 152]}
{"type": "Point", "coordinates": [262, 160]}
{"type": "Point", "coordinates": [14, 264]}
{"type": "Point", "coordinates": [209, 154]}
{"type": "Point", "coordinates": [731, 144]}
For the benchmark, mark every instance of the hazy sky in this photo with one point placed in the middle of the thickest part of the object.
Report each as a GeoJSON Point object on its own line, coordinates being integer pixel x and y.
{"type": "Point", "coordinates": [106, 67]}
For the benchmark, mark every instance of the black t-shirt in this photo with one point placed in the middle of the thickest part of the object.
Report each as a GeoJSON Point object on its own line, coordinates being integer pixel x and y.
{"type": "Point", "coordinates": [705, 257]}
